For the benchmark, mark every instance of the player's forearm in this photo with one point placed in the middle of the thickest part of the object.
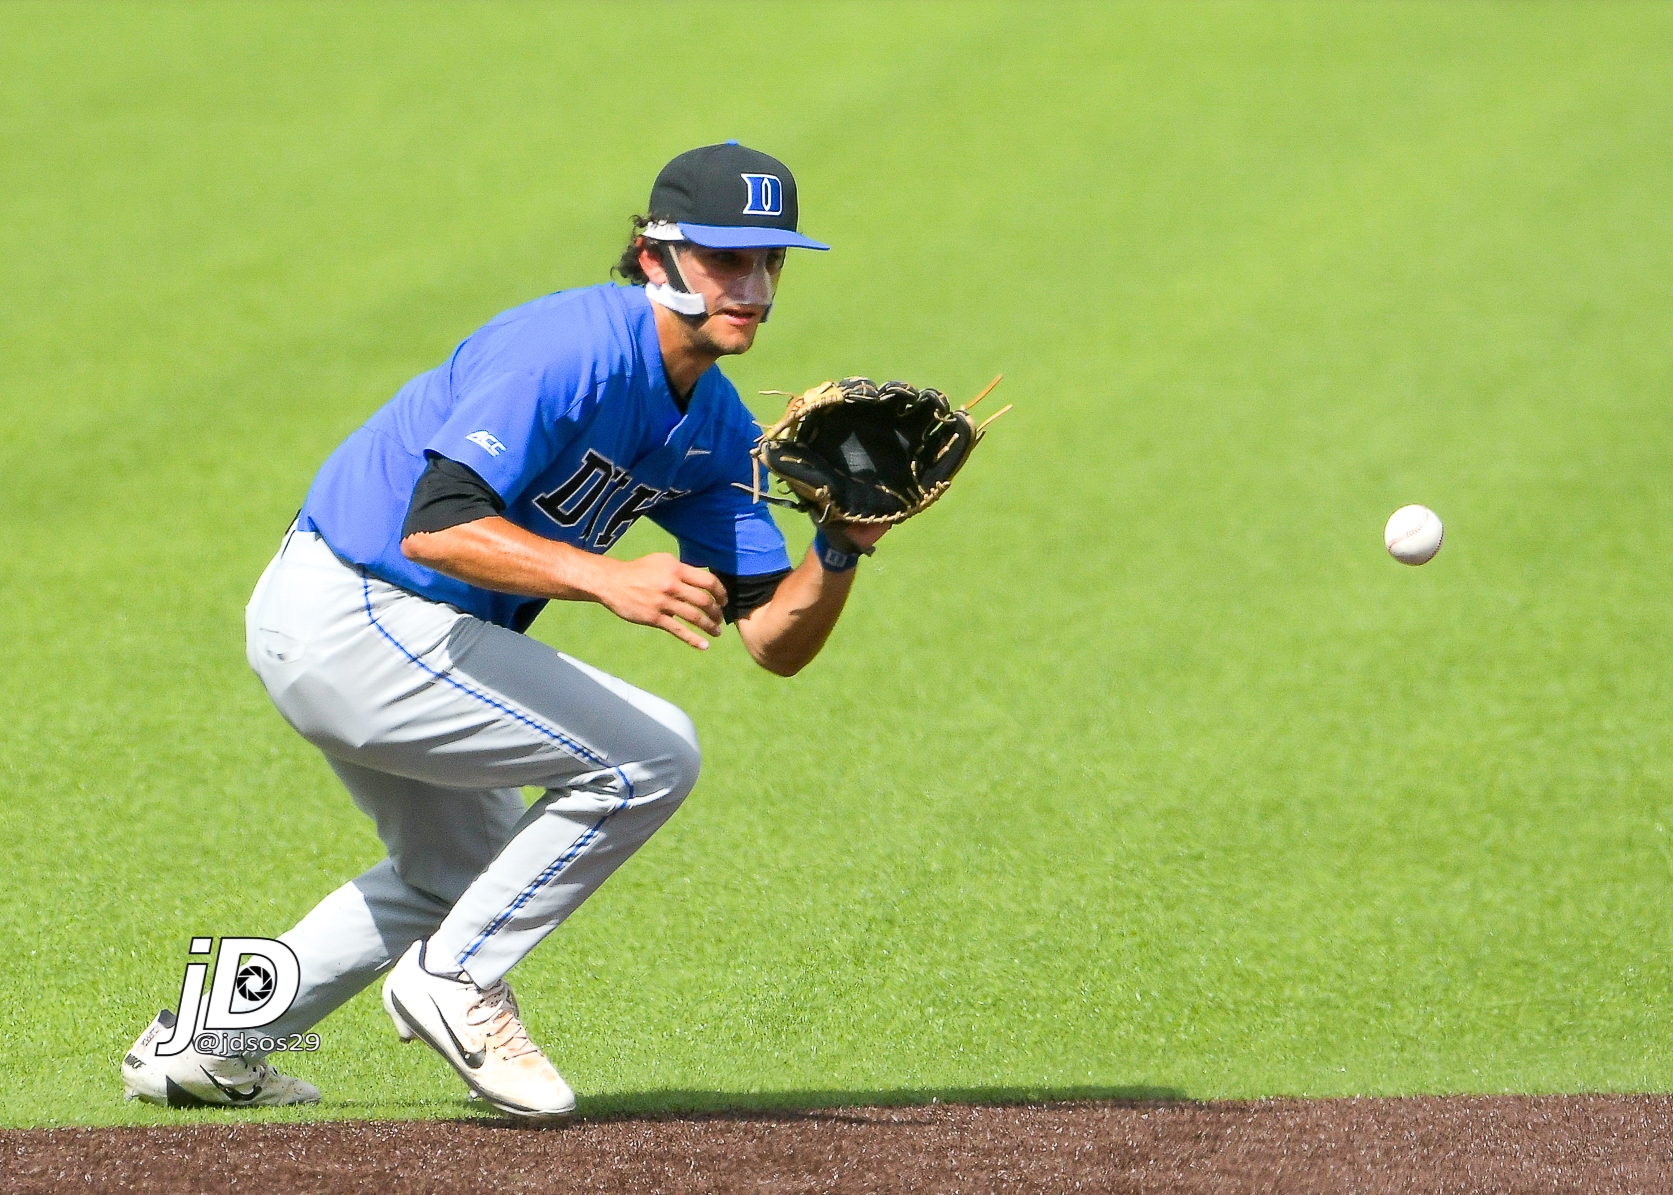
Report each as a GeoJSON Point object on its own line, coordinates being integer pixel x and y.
{"type": "Point", "coordinates": [788, 632]}
{"type": "Point", "coordinates": [494, 553]}
{"type": "Point", "coordinates": [655, 590]}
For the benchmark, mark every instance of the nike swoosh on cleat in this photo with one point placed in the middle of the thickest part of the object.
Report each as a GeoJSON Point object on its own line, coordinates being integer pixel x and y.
{"type": "Point", "coordinates": [232, 1093]}
{"type": "Point", "coordinates": [472, 1060]}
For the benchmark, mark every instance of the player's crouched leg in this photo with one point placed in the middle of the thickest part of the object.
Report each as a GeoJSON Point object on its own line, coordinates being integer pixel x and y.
{"type": "Point", "coordinates": [620, 764]}
{"type": "Point", "coordinates": [627, 761]}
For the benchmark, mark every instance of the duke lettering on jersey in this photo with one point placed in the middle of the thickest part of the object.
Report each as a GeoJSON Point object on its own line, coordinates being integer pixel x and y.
{"type": "Point", "coordinates": [595, 479]}
{"type": "Point", "coordinates": [590, 490]}
{"type": "Point", "coordinates": [639, 502]}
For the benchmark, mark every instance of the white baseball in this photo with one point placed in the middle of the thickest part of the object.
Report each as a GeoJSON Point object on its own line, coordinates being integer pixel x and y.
{"type": "Point", "coordinates": [1413, 534]}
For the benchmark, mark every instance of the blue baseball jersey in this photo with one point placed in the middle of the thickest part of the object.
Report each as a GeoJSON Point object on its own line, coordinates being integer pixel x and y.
{"type": "Point", "coordinates": [562, 407]}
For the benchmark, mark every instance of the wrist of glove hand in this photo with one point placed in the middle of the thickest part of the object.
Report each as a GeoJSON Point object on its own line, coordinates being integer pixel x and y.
{"type": "Point", "coordinates": [836, 535]}
{"type": "Point", "coordinates": [833, 559]}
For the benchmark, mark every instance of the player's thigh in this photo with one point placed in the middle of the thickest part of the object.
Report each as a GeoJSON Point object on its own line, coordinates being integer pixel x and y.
{"type": "Point", "coordinates": [383, 679]}
{"type": "Point", "coordinates": [589, 717]}
{"type": "Point", "coordinates": [439, 839]}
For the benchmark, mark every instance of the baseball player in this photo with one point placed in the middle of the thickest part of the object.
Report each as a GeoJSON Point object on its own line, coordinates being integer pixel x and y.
{"type": "Point", "coordinates": [389, 629]}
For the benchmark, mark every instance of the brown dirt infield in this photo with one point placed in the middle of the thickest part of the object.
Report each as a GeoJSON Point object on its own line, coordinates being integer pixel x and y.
{"type": "Point", "coordinates": [1431, 1144]}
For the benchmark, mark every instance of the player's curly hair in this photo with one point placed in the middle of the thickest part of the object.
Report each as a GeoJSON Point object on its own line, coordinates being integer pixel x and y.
{"type": "Point", "coordinates": [628, 267]}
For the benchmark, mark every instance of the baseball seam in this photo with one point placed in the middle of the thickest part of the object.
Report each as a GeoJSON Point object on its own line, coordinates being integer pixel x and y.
{"type": "Point", "coordinates": [1400, 539]}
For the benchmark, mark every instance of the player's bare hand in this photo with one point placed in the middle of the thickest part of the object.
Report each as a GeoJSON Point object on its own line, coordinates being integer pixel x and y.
{"type": "Point", "coordinates": [658, 591]}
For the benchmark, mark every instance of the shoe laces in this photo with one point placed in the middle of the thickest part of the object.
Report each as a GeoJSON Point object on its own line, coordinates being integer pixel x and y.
{"type": "Point", "coordinates": [494, 1013]}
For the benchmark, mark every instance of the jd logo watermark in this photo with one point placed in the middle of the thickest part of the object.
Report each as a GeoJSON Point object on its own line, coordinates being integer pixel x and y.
{"type": "Point", "coordinates": [255, 981]}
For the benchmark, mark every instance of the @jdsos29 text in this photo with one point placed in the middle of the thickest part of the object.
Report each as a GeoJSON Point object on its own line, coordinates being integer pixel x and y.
{"type": "Point", "coordinates": [255, 981]}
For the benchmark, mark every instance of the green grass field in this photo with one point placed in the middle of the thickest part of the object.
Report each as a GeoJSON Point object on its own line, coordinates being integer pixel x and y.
{"type": "Point", "coordinates": [1136, 765]}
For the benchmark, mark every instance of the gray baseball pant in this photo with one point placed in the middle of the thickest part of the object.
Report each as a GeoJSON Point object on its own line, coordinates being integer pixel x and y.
{"type": "Point", "coordinates": [434, 720]}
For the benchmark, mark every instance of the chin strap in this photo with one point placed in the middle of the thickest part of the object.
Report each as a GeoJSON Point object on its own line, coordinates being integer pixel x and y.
{"type": "Point", "coordinates": [681, 301]}
{"type": "Point", "coordinates": [674, 294]}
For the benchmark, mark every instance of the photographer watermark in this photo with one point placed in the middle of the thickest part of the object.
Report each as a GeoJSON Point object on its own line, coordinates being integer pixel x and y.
{"type": "Point", "coordinates": [255, 981]}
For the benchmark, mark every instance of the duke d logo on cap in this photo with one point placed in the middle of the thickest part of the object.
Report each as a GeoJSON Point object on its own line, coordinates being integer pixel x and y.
{"type": "Point", "coordinates": [729, 197]}
{"type": "Point", "coordinates": [766, 195]}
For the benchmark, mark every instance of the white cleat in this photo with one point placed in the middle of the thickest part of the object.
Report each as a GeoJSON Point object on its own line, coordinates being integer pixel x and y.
{"type": "Point", "coordinates": [477, 1030]}
{"type": "Point", "coordinates": [193, 1080]}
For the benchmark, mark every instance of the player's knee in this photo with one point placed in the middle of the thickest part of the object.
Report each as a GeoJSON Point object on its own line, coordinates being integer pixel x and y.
{"type": "Point", "coordinates": [673, 754]}
{"type": "Point", "coordinates": [685, 760]}
{"type": "Point", "coordinates": [683, 728]}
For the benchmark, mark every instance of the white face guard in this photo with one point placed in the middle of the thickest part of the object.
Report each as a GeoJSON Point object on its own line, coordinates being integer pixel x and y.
{"type": "Point", "coordinates": [691, 279]}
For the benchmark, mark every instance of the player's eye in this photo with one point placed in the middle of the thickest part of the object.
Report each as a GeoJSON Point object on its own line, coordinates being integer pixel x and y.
{"type": "Point", "coordinates": [775, 260]}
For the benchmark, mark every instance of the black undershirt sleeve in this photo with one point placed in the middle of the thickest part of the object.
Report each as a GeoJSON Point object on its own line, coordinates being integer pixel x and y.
{"type": "Point", "coordinates": [448, 494]}
{"type": "Point", "coordinates": [744, 594]}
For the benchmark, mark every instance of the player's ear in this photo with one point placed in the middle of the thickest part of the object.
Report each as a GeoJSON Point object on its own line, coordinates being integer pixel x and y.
{"type": "Point", "coordinates": [651, 263]}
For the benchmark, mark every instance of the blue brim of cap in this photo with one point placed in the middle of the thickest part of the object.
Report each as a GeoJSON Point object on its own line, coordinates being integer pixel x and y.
{"type": "Point", "coordinates": [723, 236]}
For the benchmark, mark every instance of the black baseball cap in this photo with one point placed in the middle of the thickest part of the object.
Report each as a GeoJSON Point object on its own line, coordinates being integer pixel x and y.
{"type": "Point", "coordinates": [728, 196]}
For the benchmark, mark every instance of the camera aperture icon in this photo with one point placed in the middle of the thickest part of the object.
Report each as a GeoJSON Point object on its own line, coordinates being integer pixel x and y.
{"type": "Point", "coordinates": [254, 982]}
